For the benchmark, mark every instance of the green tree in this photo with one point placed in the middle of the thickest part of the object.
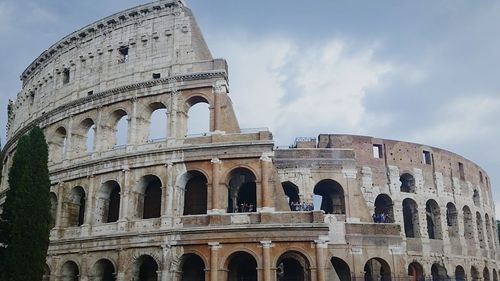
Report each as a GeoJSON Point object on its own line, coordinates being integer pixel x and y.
{"type": "Point", "coordinates": [24, 223]}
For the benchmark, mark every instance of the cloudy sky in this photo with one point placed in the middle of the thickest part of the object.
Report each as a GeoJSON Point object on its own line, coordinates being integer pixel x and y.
{"type": "Point", "coordinates": [421, 71]}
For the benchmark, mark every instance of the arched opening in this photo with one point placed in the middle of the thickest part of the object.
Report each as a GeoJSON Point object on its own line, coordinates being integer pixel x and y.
{"type": "Point", "coordinates": [198, 116]}
{"type": "Point", "coordinates": [53, 210]}
{"type": "Point", "coordinates": [474, 273]}
{"type": "Point", "coordinates": [158, 122]}
{"type": "Point", "coordinates": [488, 231]}
{"type": "Point", "coordinates": [242, 266]}
{"type": "Point", "coordinates": [341, 270]}
{"type": "Point", "coordinates": [149, 201]}
{"type": "Point", "coordinates": [76, 206]}
{"type": "Point", "coordinates": [468, 225]}
{"type": "Point", "coordinates": [410, 218]}
{"type": "Point", "coordinates": [407, 183]}
{"type": "Point", "coordinates": [495, 276]}
{"type": "Point", "coordinates": [85, 136]}
{"type": "Point", "coordinates": [103, 270]}
{"type": "Point", "coordinates": [433, 217]}
{"type": "Point", "coordinates": [292, 266]}
{"type": "Point", "coordinates": [332, 193]}
{"type": "Point", "coordinates": [416, 271]}
{"type": "Point", "coordinates": [475, 198]}
{"type": "Point", "coordinates": [480, 232]}
{"type": "Point", "coordinates": [195, 194]}
{"type": "Point", "coordinates": [459, 273]}
{"type": "Point", "coordinates": [145, 269]}
{"type": "Point", "coordinates": [70, 271]}
{"type": "Point", "coordinates": [46, 273]}
{"type": "Point", "coordinates": [59, 145]}
{"type": "Point", "coordinates": [90, 139]}
{"type": "Point", "coordinates": [383, 209]}
{"type": "Point", "coordinates": [486, 274]}
{"type": "Point", "coordinates": [439, 272]}
{"type": "Point", "coordinates": [377, 269]}
{"type": "Point", "coordinates": [452, 221]}
{"type": "Point", "coordinates": [242, 194]}
{"type": "Point", "coordinates": [121, 128]}
{"type": "Point", "coordinates": [292, 194]}
{"type": "Point", "coordinates": [193, 268]}
{"type": "Point", "coordinates": [108, 203]}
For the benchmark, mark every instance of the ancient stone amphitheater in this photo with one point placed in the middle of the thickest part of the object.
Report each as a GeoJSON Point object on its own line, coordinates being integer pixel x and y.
{"type": "Point", "coordinates": [228, 204]}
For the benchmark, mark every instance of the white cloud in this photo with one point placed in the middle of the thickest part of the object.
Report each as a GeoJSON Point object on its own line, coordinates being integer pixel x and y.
{"type": "Point", "coordinates": [301, 90]}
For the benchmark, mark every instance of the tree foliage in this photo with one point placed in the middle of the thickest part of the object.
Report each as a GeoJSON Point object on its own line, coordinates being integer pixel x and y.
{"type": "Point", "coordinates": [24, 223]}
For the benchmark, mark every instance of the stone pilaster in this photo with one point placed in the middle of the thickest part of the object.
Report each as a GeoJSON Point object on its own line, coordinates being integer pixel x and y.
{"type": "Point", "coordinates": [215, 196]}
{"type": "Point", "coordinates": [214, 260]}
{"type": "Point", "coordinates": [266, 190]}
{"type": "Point", "coordinates": [266, 259]}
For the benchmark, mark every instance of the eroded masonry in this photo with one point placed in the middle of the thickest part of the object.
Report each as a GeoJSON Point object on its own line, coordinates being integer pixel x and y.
{"type": "Point", "coordinates": [227, 204]}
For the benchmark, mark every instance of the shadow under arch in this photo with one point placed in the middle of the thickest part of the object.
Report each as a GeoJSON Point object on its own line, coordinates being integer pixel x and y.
{"type": "Point", "coordinates": [377, 269]}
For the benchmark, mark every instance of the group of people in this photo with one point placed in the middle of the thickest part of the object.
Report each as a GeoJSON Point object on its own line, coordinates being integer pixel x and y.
{"type": "Point", "coordinates": [381, 218]}
{"type": "Point", "coordinates": [297, 206]}
{"type": "Point", "coordinates": [245, 208]}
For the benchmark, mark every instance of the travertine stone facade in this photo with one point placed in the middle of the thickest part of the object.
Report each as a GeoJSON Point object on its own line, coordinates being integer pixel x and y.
{"type": "Point", "coordinates": [227, 204]}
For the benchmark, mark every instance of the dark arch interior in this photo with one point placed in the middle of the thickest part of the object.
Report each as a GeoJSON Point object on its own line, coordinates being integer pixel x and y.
{"type": "Point", "coordinates": [147, 269]}
{"type": "Point", "coordinates": [384, 206]}
{"type": "Point", "coordinates": [242, 194]}
{"type": "Point", "coordinates": [416, 272]}
{"type": "Point", "coordinates": [111, 204]}
{"type": "Point", "coordinates": [474, 273]}
{"type": "Point", "coordinates": [292, 266]}
{"type": "Point", "coordinates": [332, 194]}
{"type": "Point", "coordinates": [104, 270]}
{"type": "Point", "coordinates": [341, 268]}
{"type": "Point", "coordinates": [76, 207]}
{"type": "Point", "coordinates": [407, 183]}
{"type": "Point", "coordinates": [486, 274]}
{"type": "Point", "coordinates": [459, 273]}
{"type": "Point", "coordinates": [410, 218]}
{"type": "Point", "coordinates": [433, 219]}
{"type": "Point", "coordinates": [242, 266]}
{"type": "Point", "coordinates": [53, 209]}
{"type": "Point", "coordinates": [292, 192]}
{"type": "Point", "coordinates": [193, 268]}
{"type": "Point", "coordinates": [70, 271]}
{"type": "Point", "coordinates": [195, 197]}
{"type": "Point", "coordinates": [438, 272]}
{"type": "Point", "coordinates": [152, 198]}
{"type": "Point", "coordinates": [377, 269]}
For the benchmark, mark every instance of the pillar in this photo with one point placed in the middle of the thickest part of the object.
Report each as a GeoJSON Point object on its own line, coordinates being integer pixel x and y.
{"type": "Point", "coordinates": [266, 192]}
{"type": "Point", "coordinates": [321, 245]}
{"type": "Point", "coordinates": [266, 259]}
{"type": "Point", "coordinates": [214, 260]}
{"type": "Point", "coordinates": [132, 132]}
{"type": "Point", "coordinates": [215, 199]}
{"type": "Point", "coordinates": [89, 210]}
{"type": "Point", "coordinates": [168, 197]}
{"type": "Point", "coordinates": [124, 192]}
{"type": "Point", "coordinates": [219, 89]}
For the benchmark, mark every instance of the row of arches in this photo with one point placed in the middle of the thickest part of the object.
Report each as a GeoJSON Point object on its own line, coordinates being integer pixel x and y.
{"type": "Point", "coordinates": [116, 130]}
{"type": "Point", "coordinates": [439, 272]}
{"type": "Point", "coordinates": [240, 265]}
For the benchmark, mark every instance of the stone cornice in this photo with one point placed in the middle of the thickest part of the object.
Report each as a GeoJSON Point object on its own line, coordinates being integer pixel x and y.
{"type": "Point", "coordinates": [98, 96]}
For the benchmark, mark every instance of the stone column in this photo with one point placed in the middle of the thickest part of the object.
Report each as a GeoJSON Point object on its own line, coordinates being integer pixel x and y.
{"type": "Point", "coordinates": [173, 131]}
{"type": "Point", "coordinates": [69, 137]}
{"type": "Point", "coordinates": [219, 89]}
{"type": "Point", "coordinates": [166, 250]}
{"type": "Point", "coordinates": [168, 198]}
{"type": "Point", "coordinates": [214, 197]}
{"type": "Point", "coordinates": [124, 201]}
{"type": "Point", "coordinates": [266, 259]}
{"type": "Point", "coordinates": [321, 245]}
{"type": "Point", "coordinates": [266, 192]}
{"type": "Point", "coordinates": [214, 260]}
{"type": "Point", "coordinates": [60, 199]}
{"type": "Point", "coordinates": [90, 199]}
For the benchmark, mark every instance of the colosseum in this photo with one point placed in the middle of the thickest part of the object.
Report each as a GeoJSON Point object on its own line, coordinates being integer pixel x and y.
{"type": "Point", "coordinates": [228, 204]}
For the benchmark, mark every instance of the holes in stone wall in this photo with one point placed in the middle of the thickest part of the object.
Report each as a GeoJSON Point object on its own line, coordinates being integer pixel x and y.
{"type": "Point", "coordinates": [332, 193]}
{"type": "Point", "coordinates": [407, 183]}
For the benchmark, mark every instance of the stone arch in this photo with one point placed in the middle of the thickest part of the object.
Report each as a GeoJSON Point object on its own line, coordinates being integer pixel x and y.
{"type": "Point", "coordinates": [341, 269]}
{"type": "Point", "coordinates": [332, 193]}
{"type": "Point", "coordinates": [377, 269]}
{"type": "Point", "coordinates": [108, 202]}
{"type": "Point", "coordinates": [195, 193]}
{"type": "Point", "coordinates": [83, 137]}
{"type": "Point", "coordinates": [488, 232]}
{"type": "Point", "coordinates": [384, 209]}
{"type": "Point", "coordinates": [192, 268]}
{"type": "Point", "coordinates": [407, 183]}
{"type": "Point", "coordinates": [58, 144]}
{"type": "Point", "coordinates": [468, 225]}
{"type": "Point", "coordinates": [475, 198]}
{"type": "Point", "coordinates": [157, 122]}
{"type": "Point", "coordinates": [70, 271]}
{"type": "Point", "coordinates": [198, 112]}
{"type": "Point", "coordinates": [452, 220]}
{"type": "Point", "coordinates": [480, 231]}
{"type": "Point", "coordinates": [416, 271]}
{"type": "Point", "coordinates": [291, 192]}
{"type": "Point", "coordinates": [495, 275]}
{"type": "Point", "coordinates": [293, 266]}
{"type": "Point", "coordinates": [145, 268]}
{"type": "Point", "coordinates": [53, 209]}
{"type": "Point", "coordinates": [242, 193]}
{"type": "Point", "coordinates": [410, 218]}
{"type": "Point", "coordinates": [103, 270]}
{"type": "Point", "coordinates": [241, 265]}
{"type": "Point", "coordinates": [90, 131]}
{"type": "Point", "coordinates": [460, 273]}
{"type": "Point", "coordinates": [46, 272]}
{"type": "Point", "coordinates": [474, 274]}
{"type": "Point", "coordinates": [76, 206]}
{"type": "Point", "coordinates": [439, 272]}
{"type": "Point", "coordinates": [486, 274]}
{"type": "Point", "coordinates": [149, 192]}
{"type": "Point", "coordinates": [433, 218]}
